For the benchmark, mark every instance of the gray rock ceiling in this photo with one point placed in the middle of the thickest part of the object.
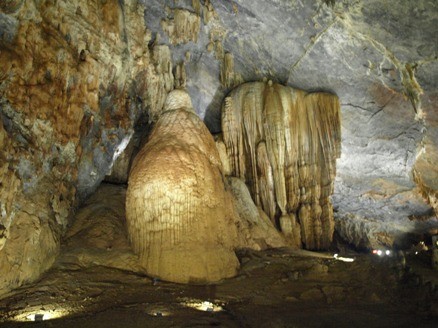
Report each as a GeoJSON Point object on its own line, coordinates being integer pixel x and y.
{"type": "Point", "coordinates": [379, 57]}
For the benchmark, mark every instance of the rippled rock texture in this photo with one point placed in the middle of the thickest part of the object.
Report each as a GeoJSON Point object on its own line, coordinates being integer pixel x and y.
{"type": "Point", "coordinates": [284, 144]}
{"type": "Point", "coordinates": [180, 217]}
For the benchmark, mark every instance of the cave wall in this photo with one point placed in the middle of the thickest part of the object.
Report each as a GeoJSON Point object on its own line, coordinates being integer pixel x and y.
{"type": "Point", "coordinates": [74, 78]}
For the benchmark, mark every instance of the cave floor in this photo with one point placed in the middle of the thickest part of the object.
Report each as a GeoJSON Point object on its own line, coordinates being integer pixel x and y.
{"type": "Point", "coordinates": [275, 288]}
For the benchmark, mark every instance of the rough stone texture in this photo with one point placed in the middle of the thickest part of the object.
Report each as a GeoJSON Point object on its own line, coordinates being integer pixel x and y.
{"type": "Point", "coordinates": [180, 216]}
{"type": "Point", "coordinates": [182, 26]}
{"type": "Point", "coordinates": [379, 57]}
{"type": "Point", "coordinates": [98, 236]}
{"type": "Point", "coordinates": [255, 229]}
{"type": "Point", "coordinates": [74, 78]}
{"type": "Point", "coordinates": [284, 144]}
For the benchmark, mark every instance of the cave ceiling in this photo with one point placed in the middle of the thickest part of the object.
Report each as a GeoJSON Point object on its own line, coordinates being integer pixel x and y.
{"type": "Point", "coordinates": [379, 57]}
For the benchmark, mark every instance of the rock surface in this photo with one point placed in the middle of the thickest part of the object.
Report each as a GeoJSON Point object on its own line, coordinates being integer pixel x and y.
{"type": "Point", "coordinates": [255, 229]}
{"type": "Point", "coordinates": [180, 217]}
{"type": "Point", "coordinates": [379, 58]}
{"type": "Point", "coordinates": [75, 76]}
{"type": "Point", "coordinates": [284, 144]}
{"type": "Point", "coordinates": [274, 289]}
{"type": "Point", "coordinates": [98, 236]}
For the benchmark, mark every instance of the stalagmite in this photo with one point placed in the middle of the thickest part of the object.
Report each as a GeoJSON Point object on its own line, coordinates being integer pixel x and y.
{"type": "Point", "coordinates": [179, 215]}
{"type": "Point", "coordinates": [284, 143]}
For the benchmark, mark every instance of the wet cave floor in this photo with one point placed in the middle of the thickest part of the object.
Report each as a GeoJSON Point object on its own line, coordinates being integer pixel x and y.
{"type": "Point", "coordinates": [275, 288]}
{"type": "Point", "coordinates": [96, 282]}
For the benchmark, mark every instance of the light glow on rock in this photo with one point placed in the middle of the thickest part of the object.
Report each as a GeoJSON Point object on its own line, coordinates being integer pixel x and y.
{"type": "Point", "coordinates": [41, 315]}
{"type": "Point", "coordinates": [343, 259]}
{"type": "Point", "coordinates": [206, 306]}
{"type": "Point", "coordinates": [121, 147]}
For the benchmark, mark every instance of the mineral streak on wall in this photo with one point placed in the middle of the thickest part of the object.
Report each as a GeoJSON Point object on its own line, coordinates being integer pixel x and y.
{"type": "Point", "coordinates": [284, 143]}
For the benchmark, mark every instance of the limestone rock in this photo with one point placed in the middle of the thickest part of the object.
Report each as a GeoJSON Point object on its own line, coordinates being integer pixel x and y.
{"type": "Point", "coordinates": [255, 230]}
{"type": "Point", "coordinates": [376, 56]}
{"type": "Point", "coordinates": [10, 6]}
{"type": "Point", "coordinates": [223, 154]}
{"type": "Point", "coordinates": [284, 143]}
{"type": "Point", "coordinates": [74, 78]}
{"type": "Point", "coordinates": [180, 217]}
{"type": "Point", "coordinates": [98, 236]}
{"type": "Point", "coordinates": [228, 77]}
{"type": "Point", "coordinates": [182, 27]}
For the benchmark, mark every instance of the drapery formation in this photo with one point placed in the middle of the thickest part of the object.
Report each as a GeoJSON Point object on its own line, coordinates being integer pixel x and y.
{"type": "Point", "coordinates": [284, 143]}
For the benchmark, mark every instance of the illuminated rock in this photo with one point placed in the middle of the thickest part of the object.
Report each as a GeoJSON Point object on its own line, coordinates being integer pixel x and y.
{"type": "Point", "coordinates": [180, 217]}
{"type": "Point", "coordinates": [255, 229]}
{"type": "Point", "coordinates": [284, 143]}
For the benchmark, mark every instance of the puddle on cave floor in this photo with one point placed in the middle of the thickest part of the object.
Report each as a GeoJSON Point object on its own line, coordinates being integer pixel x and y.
{"type": "Point", "coordinates": [275, 288]}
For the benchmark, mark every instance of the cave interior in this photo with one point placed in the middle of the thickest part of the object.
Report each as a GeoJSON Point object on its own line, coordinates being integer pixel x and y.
{"type": "Point", "coordinates": [197, 163]}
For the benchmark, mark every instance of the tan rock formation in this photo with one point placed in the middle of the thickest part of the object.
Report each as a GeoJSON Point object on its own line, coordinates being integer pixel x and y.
{"type": "Point", "coordinates": [228, 77]}
{"type": "Point", "coordinates": [98, 236]}
{"type": "Point", "coordinates": [284, 143]}
{"type": "Point", "coordinates": [10, 6]}
{"type": "Point", "coordinates": [183, 26]}
{"type": "Point", "coordinates": [180, 217]}
{"type": "Point", "coordinates": [223, 154]}
{"type": "Point", "coordinates": [255, 229]}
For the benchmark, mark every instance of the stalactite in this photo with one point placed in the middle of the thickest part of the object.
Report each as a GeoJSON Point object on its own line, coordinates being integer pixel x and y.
{"type": "Point", "coordinates": [180, 76]}
{"type": "Point", "coordinates": [284, 143]}
{"type": "Point", "coordinates": [183, 27]}
{"type": "Point", "coordinates": [228, 77]}
{"type": "Point", "coordinates": [266, 192]}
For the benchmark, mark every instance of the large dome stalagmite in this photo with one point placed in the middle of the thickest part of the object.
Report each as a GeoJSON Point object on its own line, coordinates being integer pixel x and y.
{"type": "Point", "coordinates": [180, 217]}
{"type": "Point", "coordinates": [284, 143]}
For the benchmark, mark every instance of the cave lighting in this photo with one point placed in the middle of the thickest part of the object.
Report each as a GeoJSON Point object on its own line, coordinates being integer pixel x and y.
{"type": "Point", "coordinates": [41, 315]}
{"type": "Point", "coordinates": [159, 313]}
{"type": "Point", "coordinates": [205, 306]}
{"type": "Point", "coordinates": [380, 252]}
{"type": "Point", "coordinates": [343, 259]}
